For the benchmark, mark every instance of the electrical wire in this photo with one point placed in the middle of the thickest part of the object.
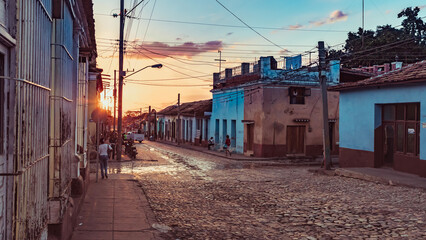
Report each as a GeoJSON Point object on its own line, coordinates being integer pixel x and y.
{"type": "Point", "coordinates": [163, 85]}
{"type": "Point", "coordinates": [165, 79]}
{"type": "Point", "coordinates": [168, 67]}
{"type": "Point", "coordinates": [235, 26]}
{"type": "Point", "coordinates": [249, 26]}
{"type": "Point", "coordinates": [169, 64]}
{"type": "Point", "coordinates": [149, 21]}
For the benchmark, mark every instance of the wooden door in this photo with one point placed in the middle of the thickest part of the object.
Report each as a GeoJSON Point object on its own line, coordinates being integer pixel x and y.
{"type": "Point", "coordinates": [250, 136]}
{"type": "Point", "coordinates": [388, 143]}
{"type": "Point", "coordinates": [295, 139]}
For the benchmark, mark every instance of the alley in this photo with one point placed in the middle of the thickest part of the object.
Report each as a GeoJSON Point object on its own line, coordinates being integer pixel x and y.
{"type": "Point", "coordinates": [200, 196]}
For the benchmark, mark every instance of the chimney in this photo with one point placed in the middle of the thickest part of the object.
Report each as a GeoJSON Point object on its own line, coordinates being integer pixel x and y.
{"type": "Point", "coordinates": [387, 67]}
{"type": "Point", "coordinates": [245, 68]}
{"type": "Point", "coordinates": [274, 64]}
{"type": "Point", "coordinates": [375, 69]}
{"type": "Point", "coordinates": [228, 73]}
{"type": "Point", "coordinates": [216, 78]}
{"type": "Point", "coordinates": [396, 65]}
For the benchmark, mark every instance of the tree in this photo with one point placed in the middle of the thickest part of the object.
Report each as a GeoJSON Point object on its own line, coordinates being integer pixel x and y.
{"type": "Point", "coordinates": [386, 44]}
{"type": "Point", "coordinates": [413, 25]}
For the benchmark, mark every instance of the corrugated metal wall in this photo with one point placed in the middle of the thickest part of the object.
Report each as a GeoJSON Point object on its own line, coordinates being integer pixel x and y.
{"type": "Point", "coordinates": [32, 118]}
{"type": "Point", "coordinates": [64, 82]}
{"type": "Point", "coordinates": [82, 111]}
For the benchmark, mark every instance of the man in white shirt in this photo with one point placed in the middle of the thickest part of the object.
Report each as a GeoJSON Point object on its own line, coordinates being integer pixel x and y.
{"type": "Point", "coordinates": [103, 156]}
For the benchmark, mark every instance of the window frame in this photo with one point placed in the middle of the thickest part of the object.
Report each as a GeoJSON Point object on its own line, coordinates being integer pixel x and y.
{"type": "Point", "coordinates": [405, 123]}
{"type": "Point", "coordinates": [299, 97]}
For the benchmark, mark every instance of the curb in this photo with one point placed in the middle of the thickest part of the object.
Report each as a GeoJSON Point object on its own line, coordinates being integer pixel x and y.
{"type": "Point", "coordinates": [219, 155]}
{"type": "Point", "coordinates": [362, 176]}
{"type": "Point", "coordinates": [272, 161]}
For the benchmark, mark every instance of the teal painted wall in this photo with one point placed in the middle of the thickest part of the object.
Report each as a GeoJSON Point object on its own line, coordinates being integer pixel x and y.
{"type": "Point", "coordinates": [360, 114]}
{"type": "Point", "coordinates": [228, 105]}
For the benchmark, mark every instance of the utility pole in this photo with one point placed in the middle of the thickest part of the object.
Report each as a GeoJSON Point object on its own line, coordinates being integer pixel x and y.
{"type": "Point", "coordinates": [220, 60]}
{"type": "Point", "coordinates": [362, 36]}
{"type": "Point", "coordinates": [115, 96]}
{"type": "Point", "coordinates": [120, 80]}
{"type": "Point", "coordinates": [149, 123]}
{"type": "Point", "coordinates": [323, 80]}
{"type": "Point", "coordinates": [178, 123]}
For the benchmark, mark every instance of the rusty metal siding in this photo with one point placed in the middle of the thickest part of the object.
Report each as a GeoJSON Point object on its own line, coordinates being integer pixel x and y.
{"type": "Point", "coordinates": [82, 111]}
{"type": "Point", "coordinates": [34, 25]}
{"type": "Point", "coordinates": [63, 110]}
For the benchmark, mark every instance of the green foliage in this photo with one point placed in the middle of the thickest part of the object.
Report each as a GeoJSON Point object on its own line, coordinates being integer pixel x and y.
{"type": "Point", "coordinates": [386, 44]}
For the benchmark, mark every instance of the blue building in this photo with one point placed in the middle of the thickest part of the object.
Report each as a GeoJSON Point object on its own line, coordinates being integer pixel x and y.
{"type": "Point", "coordinates": [252, 104]}
{"type": "Point", "coordinates": [383, 121]}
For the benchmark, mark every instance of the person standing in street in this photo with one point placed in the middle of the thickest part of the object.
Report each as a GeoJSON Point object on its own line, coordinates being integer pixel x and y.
{"type": "Point", "coordinates": [211, 143]}
{"type": "Point", "coordinates": [227, 145]}
{"type": "Point", "coordinates": [103, 157]}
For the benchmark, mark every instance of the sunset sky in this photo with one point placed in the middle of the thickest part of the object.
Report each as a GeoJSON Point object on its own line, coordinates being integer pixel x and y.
{"type": "Point", "coordinates": [185, 36]}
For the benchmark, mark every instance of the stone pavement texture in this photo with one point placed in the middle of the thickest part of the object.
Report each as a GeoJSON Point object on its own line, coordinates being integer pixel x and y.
{"type": "Point", "coordinates": [115, 208]}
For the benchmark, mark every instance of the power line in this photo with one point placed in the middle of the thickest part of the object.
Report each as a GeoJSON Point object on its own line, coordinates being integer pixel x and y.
{"type": "Point", "coordinates": [134, 7]}
{"type": "Point", "coordinates": [170, 67]}
{"type": "Point", "coordinates": [178, 59]}
{"type": "Point", "coordinates": [249, 26]}
{"type": "Point", "coordinates": [242, 44]}
{"type": "Point", "coordinates": [150, 17]}
{"type": "Point", "coordinates": [139, 16]}
{"type": "Point", "coordinates": [166, 79]}
{"type": "Point", "coordinates": [163, 85]}
{"type": "Point", "coordinates": [234, 26]}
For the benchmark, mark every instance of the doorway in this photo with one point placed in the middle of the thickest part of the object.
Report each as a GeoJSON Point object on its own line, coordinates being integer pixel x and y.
{"type": "Point", "coordinates": [233, 133]}
{"type": "Point", "coordinates": [224, 130]}
{"type": "Point", "coordinates": [388, 143]}
{"type": "Point", "coordinates": [250, 136]}
{"type": "Point", "coordinates": [295, 139]}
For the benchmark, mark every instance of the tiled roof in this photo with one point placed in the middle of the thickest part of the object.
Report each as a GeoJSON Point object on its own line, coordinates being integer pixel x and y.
{"type": "Point", "coordinates": [411, 73]}
{"type": "Point", "coordinates": [196, 108]}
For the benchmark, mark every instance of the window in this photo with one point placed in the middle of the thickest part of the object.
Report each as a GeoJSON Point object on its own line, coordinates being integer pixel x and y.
{"type": "Point", "coordinates": [297, 95]}
{"type": "Point", "coordinates": [405, 118]}
{"type": "Point", "coordinates": [389, 112]}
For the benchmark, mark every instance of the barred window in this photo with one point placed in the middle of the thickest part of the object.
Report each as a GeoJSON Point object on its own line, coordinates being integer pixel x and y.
{"type": "Point", "coordinates": [405, 117]}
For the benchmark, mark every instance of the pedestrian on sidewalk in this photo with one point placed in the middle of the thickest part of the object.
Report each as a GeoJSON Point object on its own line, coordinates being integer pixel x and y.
{"type": "Point", "coordinates": [227, 145]}
{"type": "Point", "coordinates": [103, 156]}
{"type": "Point", "coordinates": [211, 143]}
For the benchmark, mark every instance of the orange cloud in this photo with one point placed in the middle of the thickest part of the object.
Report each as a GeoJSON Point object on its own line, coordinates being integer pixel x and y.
{"type": "Point", "coordinates": [297, 26]}
{"type": "Point", "coordinates": [162, 50]}
{"type": "Point", "coordinates": [334, 17]}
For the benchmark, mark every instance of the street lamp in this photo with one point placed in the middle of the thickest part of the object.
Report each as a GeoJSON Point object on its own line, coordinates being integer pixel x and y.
{"type": "Point", "coordinates": [120, 106]}
{"type": "Point", "coordinates": [152, 66]}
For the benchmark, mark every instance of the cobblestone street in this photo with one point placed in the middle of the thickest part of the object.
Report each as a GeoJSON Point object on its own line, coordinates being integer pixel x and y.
{"type": "Point", "coordinates": [200, 196]}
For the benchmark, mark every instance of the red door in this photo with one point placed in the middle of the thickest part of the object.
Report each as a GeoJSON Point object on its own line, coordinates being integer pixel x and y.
{"type": "Point", "coordinates": [295, 139]}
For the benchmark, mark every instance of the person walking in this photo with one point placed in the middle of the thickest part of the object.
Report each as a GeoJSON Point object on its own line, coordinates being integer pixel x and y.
{"type": "Point", "coordinates": [103, 157]}
{"type": "Point", "coordinates": [227, 145]}
{"type": "Point", "coordinates": [211, 143]}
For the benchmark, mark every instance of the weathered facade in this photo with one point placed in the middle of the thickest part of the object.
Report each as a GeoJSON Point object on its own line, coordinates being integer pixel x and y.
{"type": "Point", "coordinates": [194, 118]}
{"type": "Point", "coordinates": [43, 119]}
{"type": "Point", "coordinates": [382, 121]}
{"type": "Point", "coordinates": [274, 112]}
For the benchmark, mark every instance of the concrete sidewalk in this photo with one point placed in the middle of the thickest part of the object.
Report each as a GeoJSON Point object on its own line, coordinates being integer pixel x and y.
{"type": "Point", "coordinates": [115, 208]}
{"type": "Point", "coordinates": [384, 176]}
